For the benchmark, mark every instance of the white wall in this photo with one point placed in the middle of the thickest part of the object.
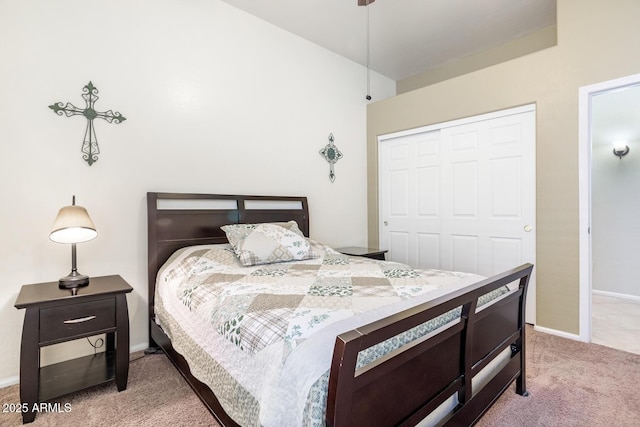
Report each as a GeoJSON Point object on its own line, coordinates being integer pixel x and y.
{"type": "Point", "coordinates": [615, 192]}
{"type": "Point", "coordinates": [216, 101]}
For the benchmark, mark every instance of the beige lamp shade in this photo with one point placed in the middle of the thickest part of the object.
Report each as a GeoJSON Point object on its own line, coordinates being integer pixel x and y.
{"type": "Point", "coordinates": [73, 225]}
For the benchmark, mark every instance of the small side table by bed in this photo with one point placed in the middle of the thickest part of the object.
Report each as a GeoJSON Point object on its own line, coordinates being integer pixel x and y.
{"type": "Point", "coordinates": [365, 252]}
{"type": "Point", "coordinates": [53, 316]}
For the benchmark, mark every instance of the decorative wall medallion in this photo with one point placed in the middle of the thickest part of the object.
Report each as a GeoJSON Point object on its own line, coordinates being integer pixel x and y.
{"type": "Point", "coordinates": [331, 153]}
{"type": "Point", "coordinates": [90, 147]}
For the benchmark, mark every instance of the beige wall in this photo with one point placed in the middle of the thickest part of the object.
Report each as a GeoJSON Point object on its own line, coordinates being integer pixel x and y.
{"type": "Point", "coordinates": [597, 41]}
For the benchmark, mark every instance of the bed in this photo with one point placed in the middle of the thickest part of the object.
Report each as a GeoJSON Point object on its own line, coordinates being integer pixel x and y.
{"type": "Point", "coordinates": [447, 375]}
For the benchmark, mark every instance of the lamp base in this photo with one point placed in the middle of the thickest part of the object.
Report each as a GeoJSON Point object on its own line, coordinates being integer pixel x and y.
{"type": "Point", "coordinates": [73, 280]}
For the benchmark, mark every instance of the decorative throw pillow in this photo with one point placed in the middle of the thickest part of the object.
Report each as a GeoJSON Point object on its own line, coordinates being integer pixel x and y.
{"type": "Point", "coordinates": [268, 243]}
{"type": "Point", "coordinates": [237, 232]}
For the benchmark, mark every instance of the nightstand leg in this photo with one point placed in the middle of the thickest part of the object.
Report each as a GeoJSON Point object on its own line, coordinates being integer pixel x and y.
{"type": "Point", "coordinates": [29, 363]}
{"type": "Point", "coordinates": [122, 342]}
{"type": "Point", "coordinates": [111, 341]}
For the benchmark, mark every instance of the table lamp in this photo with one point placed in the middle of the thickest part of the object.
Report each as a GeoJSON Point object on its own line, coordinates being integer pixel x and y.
{"type": "Point", "coordinates": [73, 225]}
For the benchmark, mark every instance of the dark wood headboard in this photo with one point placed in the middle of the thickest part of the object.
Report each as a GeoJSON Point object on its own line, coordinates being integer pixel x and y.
{"type": "Point", "coordinates": [177, 220]}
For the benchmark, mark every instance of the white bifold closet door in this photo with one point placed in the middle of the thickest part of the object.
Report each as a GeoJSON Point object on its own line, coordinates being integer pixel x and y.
{"type": "Point", "coordinates": [461, 195]}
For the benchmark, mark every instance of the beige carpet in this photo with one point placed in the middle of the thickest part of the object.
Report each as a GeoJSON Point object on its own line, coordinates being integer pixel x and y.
{"type": "Point", "coordinates": [156, 395]}
{"type": "Point", "coordinates": [571, 384]}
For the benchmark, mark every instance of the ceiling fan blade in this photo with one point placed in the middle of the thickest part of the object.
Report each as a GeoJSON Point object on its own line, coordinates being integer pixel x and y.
{"type": "Point", "coordinates": [365, 2]}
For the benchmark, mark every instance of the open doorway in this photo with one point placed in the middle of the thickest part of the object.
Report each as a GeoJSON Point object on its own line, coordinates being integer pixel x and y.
{"type": "Point", "coordinates": [609, 205]}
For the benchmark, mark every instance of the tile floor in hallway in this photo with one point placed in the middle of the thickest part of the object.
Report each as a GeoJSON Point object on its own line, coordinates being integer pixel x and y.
{"type": "Point", "coordinates": [616, 322]}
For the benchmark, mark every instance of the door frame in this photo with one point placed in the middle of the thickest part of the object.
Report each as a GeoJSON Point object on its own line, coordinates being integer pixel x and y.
{"type": "Point", "coordinates": [452, 123]}
{"type": "Point", "coordinates": [584, 189]}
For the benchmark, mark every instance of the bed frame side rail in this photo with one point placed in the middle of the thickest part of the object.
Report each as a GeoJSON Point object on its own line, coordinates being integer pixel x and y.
{"type": "Point", "coordinates": [404, 386]}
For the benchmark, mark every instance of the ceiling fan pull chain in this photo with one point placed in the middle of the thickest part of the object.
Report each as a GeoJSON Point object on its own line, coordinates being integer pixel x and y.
{"type": "Point", "coordinates": [368, 97]}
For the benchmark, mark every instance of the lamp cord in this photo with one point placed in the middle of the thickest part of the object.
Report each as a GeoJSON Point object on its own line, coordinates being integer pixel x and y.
{"type": "Point", "coordinates": [99, 343]}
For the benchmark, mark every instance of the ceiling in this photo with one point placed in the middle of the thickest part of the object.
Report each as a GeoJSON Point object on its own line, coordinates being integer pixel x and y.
{"type": "Point", "coordinates": [406, 37]}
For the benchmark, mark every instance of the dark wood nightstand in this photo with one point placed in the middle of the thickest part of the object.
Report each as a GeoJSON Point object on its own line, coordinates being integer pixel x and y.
{"type": "Point", "coordinates": [365, 252]}
{"type": "Point", "coordinates": [53, 316]}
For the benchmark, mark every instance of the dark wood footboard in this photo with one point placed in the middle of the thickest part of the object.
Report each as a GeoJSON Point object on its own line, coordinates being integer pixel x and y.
{"type": "Point", "coordinates": [405, 386]}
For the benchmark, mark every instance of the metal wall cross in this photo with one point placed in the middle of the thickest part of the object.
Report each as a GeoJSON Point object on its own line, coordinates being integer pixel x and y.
{"type": "Point", "coordinates": [90, 147]}
{"type": "Point", "coordinates": [331, 153]}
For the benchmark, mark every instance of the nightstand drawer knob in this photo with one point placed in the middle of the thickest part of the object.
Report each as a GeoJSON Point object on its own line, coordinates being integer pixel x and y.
{"type": "Point", "coordinates": [79, 320]}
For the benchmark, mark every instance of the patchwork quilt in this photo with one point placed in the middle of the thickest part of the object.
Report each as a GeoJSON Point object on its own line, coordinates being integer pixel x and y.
{"type": "Point", "coordinates": [262, 336]}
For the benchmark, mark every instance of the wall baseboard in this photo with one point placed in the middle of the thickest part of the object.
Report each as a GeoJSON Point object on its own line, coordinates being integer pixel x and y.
{"type": "Point", "coordinates": [138, 347]}
{"type": "Point", "coordinates": [556, 332]}
{"type": "Point", "coordinates": [616, 295]}
{"type": "Point", "coordinates": [6, 382]}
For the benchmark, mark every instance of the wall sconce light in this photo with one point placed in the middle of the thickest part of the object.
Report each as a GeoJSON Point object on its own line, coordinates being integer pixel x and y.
{"type": "Point", "coordinates": [73, 225]}
{"type": "Point", "coordinates": [620, 148]}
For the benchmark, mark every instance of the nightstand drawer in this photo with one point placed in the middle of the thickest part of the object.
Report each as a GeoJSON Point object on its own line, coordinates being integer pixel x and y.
{"type": "Point", "coordinates": [77, 319]}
